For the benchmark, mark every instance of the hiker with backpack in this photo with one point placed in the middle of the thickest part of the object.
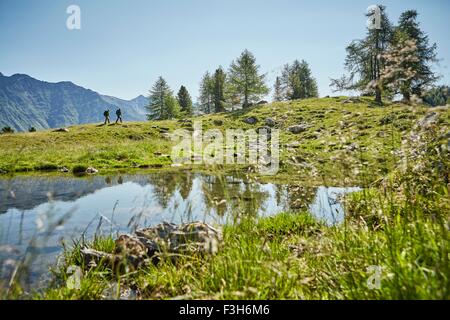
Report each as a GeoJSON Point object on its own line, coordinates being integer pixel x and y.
{"type": "Point", "coordinates": [119, 115]}
{"type": "Point", "coordinates": [106, 115]}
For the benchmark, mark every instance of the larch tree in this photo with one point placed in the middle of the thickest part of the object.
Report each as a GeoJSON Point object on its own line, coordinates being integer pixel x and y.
{"type": "Point", "coordinates": [207, 93]}
{"type": "Point", "coordinates": [160, 106]}
{"type": "Point", "coordinates": [278, 90]}
{"type": "Point", "coordinates": [245, 82]}
{"type": "Point", "coordinates": [363, 61]}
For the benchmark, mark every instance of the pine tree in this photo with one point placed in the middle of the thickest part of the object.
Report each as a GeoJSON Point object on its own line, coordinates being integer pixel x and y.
{"type": "Point", "coordinates": [297, 81]}
{"type": "Point", "coordinates": [308, 85]}
{"type": "Point", "coordinates": [185, 101]}
{"type": "Point", "coordinates": [162, 105]}
{"type": "Point", "coordinates": [409, 29]}
{"type": "Point", "coordinates": [363, 60]}
{"type": "Point", "coordinates": [438, 96]}
{"type": "Point", "coordinates": [207, 93]}
{"type": "Point", "coordinates": [173, 107]}
{"type": "Point", "coordinates": [245, 82]}
{"type": "Point", "coordinates": [219, 81]}
{"type": "Point", "coordinates": [278, 90]}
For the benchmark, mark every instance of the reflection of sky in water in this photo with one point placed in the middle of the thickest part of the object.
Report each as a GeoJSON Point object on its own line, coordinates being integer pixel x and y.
{"type": "Point", "coordinates": [326, 204]}
{"type": "Point", "coordinates": [133, 203]}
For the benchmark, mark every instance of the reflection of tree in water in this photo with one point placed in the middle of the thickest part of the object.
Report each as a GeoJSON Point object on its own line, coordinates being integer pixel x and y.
{"type": "Point", "coordinates": [164, 186]}
{"type": "Point", "coordinates": [231, 194]}
{"type": "Point", "coordinates": [281, 195]}
{"type": "Point", "coordinates": [300, 197]}
{"type": "Point", "coordinates": [253, 198]}
{"type": "Point", "coordinates": [185, 184]}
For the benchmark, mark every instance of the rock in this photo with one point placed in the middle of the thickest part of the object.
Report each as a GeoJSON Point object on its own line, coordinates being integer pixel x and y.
{"type": "Point", "coordinates": [91, 170]}
{"type": "Point", "coordinates": [299, 128]}
{"type": "Point", "coordinates": [166, 135]}
{"type": "Point", "coordinates": [150, 244]}
{"type": "Point", "coordinates": [270, 122]}
{"type": "Point", "coordinates": [195, 237]}
{"type": "Point", "coordinates": [64, 169]}
{"type": "Point", "coordinates": [136, 246]}
{"type": "Point", "coordinates": [352, 147]}
{"type": "Point", "coordinates": [351, 100]}
{"type": "Point", "coordinates": [251, 120]}
{"type": "Point", "coordinates": [428, 120]}
{"type": "Point", "coordinates": [293, 145]}
{"type": "Point", "coordinates": [262, 102]}
{"type": "Point", "coordinates": [218, 122]}
{"type": "Point", "coordinates": [61, 130]}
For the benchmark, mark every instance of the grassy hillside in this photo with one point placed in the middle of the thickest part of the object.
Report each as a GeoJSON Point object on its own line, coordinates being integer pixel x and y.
{"type": "Point", "coordinates": [345, 140]}
{"type": "Point", "coordinates": [398, 225]}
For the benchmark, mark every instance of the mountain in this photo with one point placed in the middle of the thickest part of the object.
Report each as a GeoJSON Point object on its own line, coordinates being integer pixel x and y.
{"type": "Point", "coordinates": [27, 102]}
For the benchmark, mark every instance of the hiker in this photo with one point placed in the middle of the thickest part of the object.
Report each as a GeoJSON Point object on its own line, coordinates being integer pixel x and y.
{"type": "Point", "coordinates": [106, 115]}
{"type": "Point", "coordinates": [119, 115]}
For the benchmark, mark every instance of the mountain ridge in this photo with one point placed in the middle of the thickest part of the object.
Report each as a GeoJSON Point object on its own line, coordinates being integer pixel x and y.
{"type": "Point", "coordinates": [28, 102]}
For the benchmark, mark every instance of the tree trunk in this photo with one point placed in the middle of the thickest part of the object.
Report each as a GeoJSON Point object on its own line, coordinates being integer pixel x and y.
{"type": "Point", "coordinates": [377, 67]}
{"type": "Point", "coordinates": [378, 96]}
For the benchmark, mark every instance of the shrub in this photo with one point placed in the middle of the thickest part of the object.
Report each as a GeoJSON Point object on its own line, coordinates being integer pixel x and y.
{"type": "Point", "coordinates": [7, 130]}
{"type": "Point", "coordinates": [79, 168]}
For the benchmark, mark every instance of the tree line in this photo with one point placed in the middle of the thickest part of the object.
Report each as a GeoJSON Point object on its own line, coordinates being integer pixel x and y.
{"type": "Point", "coordinates": [242, 85]}
{"type": "Point", "coordinates": [390, 60]}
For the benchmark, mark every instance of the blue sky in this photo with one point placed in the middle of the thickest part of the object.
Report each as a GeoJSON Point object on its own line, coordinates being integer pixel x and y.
{"type": "Point", "coordinates": [123, 46]}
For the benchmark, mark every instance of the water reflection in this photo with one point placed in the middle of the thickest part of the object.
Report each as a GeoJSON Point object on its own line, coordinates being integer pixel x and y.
{"type": "Point", "coordinates": [122, 203]}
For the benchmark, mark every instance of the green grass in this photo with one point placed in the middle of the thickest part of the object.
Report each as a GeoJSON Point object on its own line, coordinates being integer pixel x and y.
{"type": "Point", "coordinates": [292, 256]}
{"type": "Point", "coordinates": [322, 153]}
{"type": "Point", "coordinates": [398, 223]}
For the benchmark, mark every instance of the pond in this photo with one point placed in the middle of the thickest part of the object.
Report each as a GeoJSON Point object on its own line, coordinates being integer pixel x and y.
{"type": "Point", "coordinates": [38, 213]}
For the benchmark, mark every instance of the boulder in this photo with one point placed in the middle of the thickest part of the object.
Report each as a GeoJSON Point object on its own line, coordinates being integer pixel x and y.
{"type": "Point", "coordinates": [61, 130]}
{"type": "Point", "coordinates": [91, 170]}
{"type": "Point", "coordinates": [262, 102]}
{"type": "Point", "coordinates": [270, 122]}
{"type": "Point", "coordinates": [299, 128]}
{"type": "Point", "coordinates": [149, 243]}
{"type": "Point", "coordinates": [251, 120]}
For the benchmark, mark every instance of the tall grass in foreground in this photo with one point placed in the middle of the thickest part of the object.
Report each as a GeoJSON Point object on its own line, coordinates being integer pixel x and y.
{"type": "Point", "coordinates": [393, 245]}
